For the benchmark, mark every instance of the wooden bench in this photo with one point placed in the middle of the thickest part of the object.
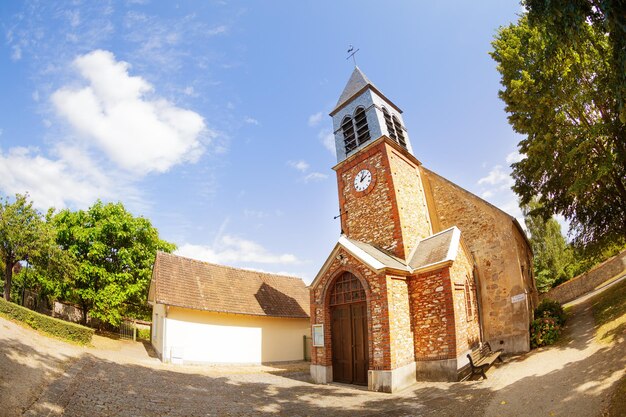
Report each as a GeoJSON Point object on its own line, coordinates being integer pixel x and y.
{"type": "Point", "coordinates": [482, 358]}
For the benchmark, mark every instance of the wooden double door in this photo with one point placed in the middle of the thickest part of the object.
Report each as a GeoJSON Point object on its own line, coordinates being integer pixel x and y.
{"type": "Point", "coordinates": [349, 342]}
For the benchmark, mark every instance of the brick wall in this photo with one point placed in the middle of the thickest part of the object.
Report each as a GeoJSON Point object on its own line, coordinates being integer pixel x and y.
{"type": "Point", "coordinates": [588, 281]}
{"type": "Point", "coordinates": [400, 330]}
{"type": "Point", "coordinates": [377, 310]}
{"type": "Point", "coordinates": [392, 213]}
{"type": "Point", "coordinates": [432, 315]}
{"type": "Point", "coordinates": [370, 216]}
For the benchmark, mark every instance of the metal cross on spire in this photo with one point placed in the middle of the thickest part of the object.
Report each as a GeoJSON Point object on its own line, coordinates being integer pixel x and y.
{"type": "Point", "coordinates": [351, 53]}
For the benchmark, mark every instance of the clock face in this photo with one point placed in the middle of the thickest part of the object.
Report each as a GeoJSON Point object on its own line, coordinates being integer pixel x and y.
{"type": "Point", "coordinates": [362, 180]}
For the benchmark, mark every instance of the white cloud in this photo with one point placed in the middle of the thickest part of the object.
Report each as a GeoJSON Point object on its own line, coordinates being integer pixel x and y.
{"type": "Point", "coordinates": [190, 91]}
{"type": "Point", "coordinates": [300, 165]}
{"type": "Point", "coordinates": [328, 140]}
{"type": "Point", "coordinates": [315, 119]}
{"type": "Point", "coordinates": [218, 30]}
{"type": "Point", "coordinates": [251, 121]}
{"type": "Point", "coordinates": [514, 156]}
{"type": "Point", "coordinates": [114, 113]}
{"type": "Point", "coordinates": [315, 176]}
{"type": "Point", "coordinates": [497, 177]}
{"type": "Point", "coordinates": [17, 53]}
{"type": "Point", "coordinates": [54, 182]}
{"type": "Point", "coordinates": [73, 16]}
{"type": "Point", "coordinates": [233, 250]}
{"type": "Point", "coordinates": [255, 214]}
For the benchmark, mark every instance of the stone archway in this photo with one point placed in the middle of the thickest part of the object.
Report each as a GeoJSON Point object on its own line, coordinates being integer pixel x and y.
{"type": "Point", "coordinates": [348, 314]}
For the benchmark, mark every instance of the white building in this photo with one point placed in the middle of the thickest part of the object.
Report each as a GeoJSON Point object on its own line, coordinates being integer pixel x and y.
{"type": "Point", "coordinates": [207, 313]}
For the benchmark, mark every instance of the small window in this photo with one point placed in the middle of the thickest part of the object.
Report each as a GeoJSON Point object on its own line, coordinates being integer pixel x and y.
{"type": "Point", "coordinates": [399, 131]}
{"type": "Point", "coordinates": [389, 123]}
{"type": "Point", "coordinates": [349, 138]}
{"type": "Point", "coordinates": [362, 130]}
{"type": "Point", "coordinates": [469, 300]}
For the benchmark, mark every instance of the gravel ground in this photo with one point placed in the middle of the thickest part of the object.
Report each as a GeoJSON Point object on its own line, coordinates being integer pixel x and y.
{"type": "Point", "coordinates": [118, 378]}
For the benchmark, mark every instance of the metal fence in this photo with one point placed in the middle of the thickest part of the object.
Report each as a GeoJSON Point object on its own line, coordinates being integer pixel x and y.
{"type": "Point", "coordinates": [307, 345]}
{"type": "Point", "coordinates": [128, 330]}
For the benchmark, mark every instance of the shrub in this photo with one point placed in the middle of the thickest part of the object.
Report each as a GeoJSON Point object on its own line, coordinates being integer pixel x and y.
{"type": "Point", "coordinates": [544, 331]}
{"type": "Point", "coordinates": [551, 308]}
{"type": "Point", "coordinates": [55, 327]}
{"type": "Point", "coordinates": [143, 334]}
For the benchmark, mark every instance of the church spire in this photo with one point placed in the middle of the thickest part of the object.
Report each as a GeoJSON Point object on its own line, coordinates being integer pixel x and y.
{"type": "Point", "coordinates": [362, 115]}
{"type": "Point", "coordinates": [356, 83]}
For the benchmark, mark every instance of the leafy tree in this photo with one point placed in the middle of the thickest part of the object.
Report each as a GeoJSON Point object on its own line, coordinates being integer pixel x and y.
{"type": "Point", "coordinates": [114, 252]}
{"type": "Point", "coordinates": [560, 90]}
{"type": "Point", "coordinates": [554, 258]}
{"type": "Point", "coordinates": [564, 20]}
{"type": "Point", "coordinates": [21, 228]}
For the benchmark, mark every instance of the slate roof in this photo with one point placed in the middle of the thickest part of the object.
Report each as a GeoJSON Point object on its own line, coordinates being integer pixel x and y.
{"type": "Point", "coordinates": [184, 282]}
{"type": "Point", "coordinates": [435, 249]}
{"type": "Point", "coordinates": [357, 81]}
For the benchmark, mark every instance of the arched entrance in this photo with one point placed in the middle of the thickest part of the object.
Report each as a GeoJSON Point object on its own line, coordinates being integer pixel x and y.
{"type": "Point", "coordinates": [348, 311]}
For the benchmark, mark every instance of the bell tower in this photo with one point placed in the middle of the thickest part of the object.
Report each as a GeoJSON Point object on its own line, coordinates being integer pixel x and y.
{"type": "Point", "coordinates": [381, 196]}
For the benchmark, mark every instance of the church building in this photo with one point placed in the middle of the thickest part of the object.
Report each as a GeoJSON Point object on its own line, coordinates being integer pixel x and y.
{"type": "Point", "coordinates": [423, 272]}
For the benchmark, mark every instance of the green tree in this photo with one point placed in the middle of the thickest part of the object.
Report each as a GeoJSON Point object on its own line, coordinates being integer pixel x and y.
{"type": "Point", "coordinates": [559, 92]}
{"type": "Point", "coordinates": [114, 253]}
{"type": "Point", "coordinates": [553, 258]}
{"type": "Point", "coordinates": [21, 228]}
{"type": "Point", "coordinates": [564, 20]}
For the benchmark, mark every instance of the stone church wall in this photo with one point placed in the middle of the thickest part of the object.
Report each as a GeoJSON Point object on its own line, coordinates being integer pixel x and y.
{"type": "Point", "coordinates": [489, 235]}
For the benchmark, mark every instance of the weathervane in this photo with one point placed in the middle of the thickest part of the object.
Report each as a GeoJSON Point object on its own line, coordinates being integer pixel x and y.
{"type": "Point", "coordinates": [351, 53]}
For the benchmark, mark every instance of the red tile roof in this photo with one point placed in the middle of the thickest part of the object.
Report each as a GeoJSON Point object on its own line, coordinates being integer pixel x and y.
{"type": "Point", "coordinates": [184, 282]}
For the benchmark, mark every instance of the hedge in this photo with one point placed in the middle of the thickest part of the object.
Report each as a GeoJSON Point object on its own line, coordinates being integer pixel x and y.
{"type": "Point", "coordinates": [55, 327]}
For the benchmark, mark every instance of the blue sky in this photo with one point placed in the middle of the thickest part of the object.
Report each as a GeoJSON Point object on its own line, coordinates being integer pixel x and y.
{"type": "Point", "coordinates": [211, 118]}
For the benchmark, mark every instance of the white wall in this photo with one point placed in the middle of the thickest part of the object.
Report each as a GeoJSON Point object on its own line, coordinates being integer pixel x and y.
{"type": "Point", "coordinates": [158, 328]}
{"type": "Point", "coordinates": [206, 337]}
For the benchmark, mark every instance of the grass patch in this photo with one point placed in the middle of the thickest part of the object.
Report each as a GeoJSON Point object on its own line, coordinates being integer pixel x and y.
{"type": "Point", "coordinates": [609, 313]}
{"type": "Point", "coordinates": [58, 328]}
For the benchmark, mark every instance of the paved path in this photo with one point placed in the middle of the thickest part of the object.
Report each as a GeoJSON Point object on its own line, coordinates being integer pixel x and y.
{"type": "Point", "coordinates": [573, 378]}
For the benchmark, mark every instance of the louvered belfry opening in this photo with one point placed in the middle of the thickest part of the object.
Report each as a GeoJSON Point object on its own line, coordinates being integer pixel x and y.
{"type": "Point", "coordinates": [355, 131]}
{"type": "Point", "coordinates": [362, 130]}
{"type": "Point", "coordinates": [349, 138]}
{"type": "Point", "coordinates": [389, 123]}
{"type": "Point", "coordinates": [399, 131]}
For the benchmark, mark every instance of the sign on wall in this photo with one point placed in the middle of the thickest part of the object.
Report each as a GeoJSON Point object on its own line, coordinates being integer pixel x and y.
{"type": "Point", "coordinates": [518, 298]}
{"type": "Point", "coordinates": [318, 335]}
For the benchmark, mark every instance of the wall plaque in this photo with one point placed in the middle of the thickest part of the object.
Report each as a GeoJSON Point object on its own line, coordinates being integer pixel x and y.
{"type": "Point", "coordinates": [318, 335]}
{"type": "Point", "coordinates": [518, 298]}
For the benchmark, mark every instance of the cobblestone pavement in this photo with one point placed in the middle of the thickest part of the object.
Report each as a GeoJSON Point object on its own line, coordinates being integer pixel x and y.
{"type": "Point", "coordinates": [571, 379]}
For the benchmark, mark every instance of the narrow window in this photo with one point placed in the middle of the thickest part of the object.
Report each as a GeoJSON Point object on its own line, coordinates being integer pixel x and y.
{"type": "Point", "coordinates": [362, 130]}
{"type": "Point", "coordinates": [389, 123]}
{"type": "Point", "coordinates": [399, 131]}
{"type": "Point", "coordinates": [349, 139]}
{"type": "Point", "coordinates": [469, 301]}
